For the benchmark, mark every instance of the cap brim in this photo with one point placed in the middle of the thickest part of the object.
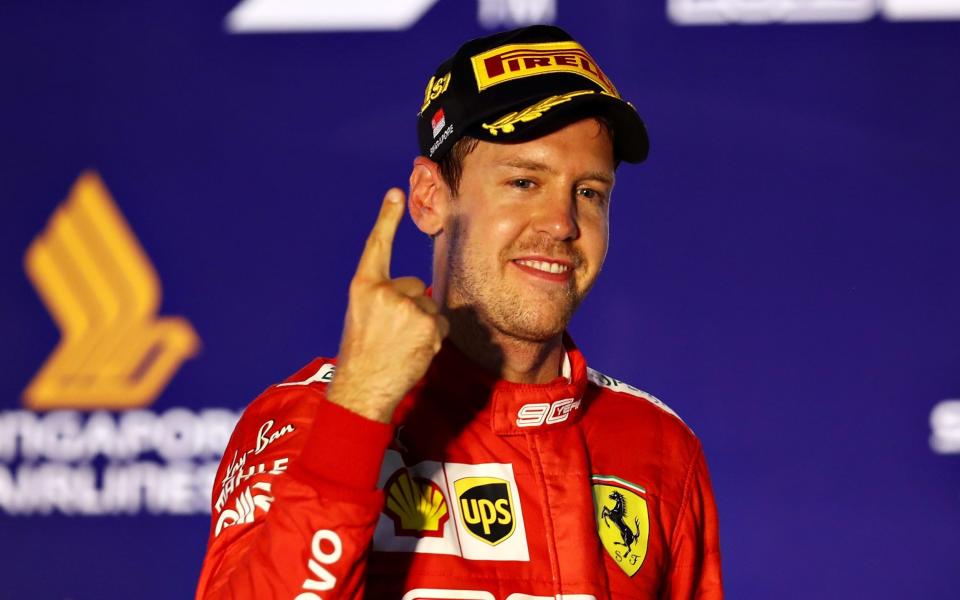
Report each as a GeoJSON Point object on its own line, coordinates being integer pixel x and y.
{"type": "Point", "coordinates": [630, 141]}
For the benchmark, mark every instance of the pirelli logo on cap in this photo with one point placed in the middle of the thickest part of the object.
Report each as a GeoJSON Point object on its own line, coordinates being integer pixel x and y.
{"type": "Point", "coordinates": [515, 61]}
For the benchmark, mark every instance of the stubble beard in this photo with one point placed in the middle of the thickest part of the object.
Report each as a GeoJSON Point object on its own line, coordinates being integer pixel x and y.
{"type": "Point", "coordinates": [501, 308]}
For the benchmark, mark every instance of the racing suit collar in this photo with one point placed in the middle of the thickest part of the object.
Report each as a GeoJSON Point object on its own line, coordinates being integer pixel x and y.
{"type": "Point", "coordinates": [513, 408]}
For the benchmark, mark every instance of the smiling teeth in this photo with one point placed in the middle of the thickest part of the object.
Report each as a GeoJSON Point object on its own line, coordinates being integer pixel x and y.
{"type": "Point", "coordinates": [546, 267]}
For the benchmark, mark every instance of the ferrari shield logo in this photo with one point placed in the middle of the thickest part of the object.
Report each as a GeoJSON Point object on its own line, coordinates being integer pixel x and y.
{"type": "Point", "coordinates": [622, 521]}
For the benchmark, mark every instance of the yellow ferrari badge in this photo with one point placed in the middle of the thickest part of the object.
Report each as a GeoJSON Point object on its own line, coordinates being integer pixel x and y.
{"type": "Point", "coordinates": [622, 520]}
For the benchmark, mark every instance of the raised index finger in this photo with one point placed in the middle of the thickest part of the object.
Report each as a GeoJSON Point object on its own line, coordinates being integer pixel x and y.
{"type": "Point", "coordinates": [375, 260]}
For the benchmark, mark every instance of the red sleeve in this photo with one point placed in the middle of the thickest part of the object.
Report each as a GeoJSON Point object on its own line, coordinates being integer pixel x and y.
{"type": "Point", "coordinates": [695, 546]}
{"type": "Point", "coordinates": [295, 501]}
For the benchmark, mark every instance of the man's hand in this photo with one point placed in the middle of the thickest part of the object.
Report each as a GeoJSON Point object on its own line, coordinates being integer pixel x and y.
{"type": "Point", "coordinates": [392, 330]}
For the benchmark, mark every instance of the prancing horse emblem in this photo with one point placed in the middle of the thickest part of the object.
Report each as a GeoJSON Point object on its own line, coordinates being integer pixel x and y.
{"type": "Point", "coordinates": [624, 525]}
{"type": "Point", "coordinates": [617, 514]}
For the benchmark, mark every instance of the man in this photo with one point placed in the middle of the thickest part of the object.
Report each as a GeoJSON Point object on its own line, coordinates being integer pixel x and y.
{"type": "Point", "coordinates": [463, 449]}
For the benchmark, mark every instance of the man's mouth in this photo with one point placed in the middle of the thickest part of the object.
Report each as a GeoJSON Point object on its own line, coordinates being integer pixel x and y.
{"type": "Point", "coordinates": [554, 270]}
{"type": "Point", "coordinates": [543, 265]}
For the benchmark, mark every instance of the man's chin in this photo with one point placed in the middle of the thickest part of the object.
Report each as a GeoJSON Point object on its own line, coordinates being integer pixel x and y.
{"type": "Point", "coordinates": [536, 326]}
{"type": "Point", "coordinates": [528, 334]}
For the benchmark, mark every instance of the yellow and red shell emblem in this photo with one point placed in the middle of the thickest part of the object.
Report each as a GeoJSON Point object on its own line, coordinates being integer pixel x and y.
{"type": "Point", "coordinates": [416, 505]}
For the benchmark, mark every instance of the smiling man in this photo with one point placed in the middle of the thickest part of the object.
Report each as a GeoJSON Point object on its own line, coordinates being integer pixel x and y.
{"type": "Point", "coordinates": [461, 448]}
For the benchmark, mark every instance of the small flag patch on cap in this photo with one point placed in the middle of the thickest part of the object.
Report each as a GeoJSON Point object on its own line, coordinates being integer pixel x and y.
{"type": "Point", "coordinates": [437, 122]}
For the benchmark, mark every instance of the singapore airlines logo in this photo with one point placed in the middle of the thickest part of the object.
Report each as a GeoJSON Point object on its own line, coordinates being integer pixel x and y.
{"type": "Point", "coordinates": [103, 293]}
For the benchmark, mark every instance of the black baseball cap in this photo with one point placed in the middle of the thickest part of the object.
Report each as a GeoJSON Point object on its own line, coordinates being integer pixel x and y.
{"type": "Point", "coordinates": [519, 85]}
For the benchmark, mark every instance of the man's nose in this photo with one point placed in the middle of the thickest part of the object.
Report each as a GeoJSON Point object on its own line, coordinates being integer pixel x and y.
{"type": "Point", "coordinates": [557, 217]}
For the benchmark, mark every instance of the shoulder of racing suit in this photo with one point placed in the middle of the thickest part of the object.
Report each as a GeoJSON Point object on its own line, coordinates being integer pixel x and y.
{"type": "Point", "coordinates": [621, 387]}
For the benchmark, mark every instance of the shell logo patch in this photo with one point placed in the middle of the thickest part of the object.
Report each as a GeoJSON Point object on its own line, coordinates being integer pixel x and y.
{"type": "Point", "coordinates": [416, 505]}
{"type": "Point", "coordinates": [622, 520]}
{"type": "Point", "coordinates": [432, 507]}
{"type": "Point", "coordinates": [486, 508]}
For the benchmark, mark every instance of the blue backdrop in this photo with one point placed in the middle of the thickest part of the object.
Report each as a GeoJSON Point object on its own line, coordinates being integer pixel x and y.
{"type": "Point", "coordinates": [783, 270]}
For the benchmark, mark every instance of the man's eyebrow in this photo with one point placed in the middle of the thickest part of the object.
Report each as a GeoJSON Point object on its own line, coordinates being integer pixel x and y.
{"type": "Point", "coordinates": [533, 165]}
{"type": "Point", "coordinates": [606, 178]}
{"type": "Point", "coordinates": [529, 165]}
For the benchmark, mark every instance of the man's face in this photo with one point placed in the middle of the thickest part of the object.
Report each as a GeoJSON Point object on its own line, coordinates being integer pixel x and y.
{"type": "Point", "coordinates": [527, 232]}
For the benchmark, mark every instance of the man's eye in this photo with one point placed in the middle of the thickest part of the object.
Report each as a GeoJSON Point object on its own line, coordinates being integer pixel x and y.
{"type": "Point", "coordinates": [590, 194]}
{"type": "Point", "coordinates": [523, 184]}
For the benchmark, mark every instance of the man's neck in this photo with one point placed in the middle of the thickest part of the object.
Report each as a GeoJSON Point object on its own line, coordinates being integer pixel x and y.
{"type": "Point", "coordinates": [511, 359]}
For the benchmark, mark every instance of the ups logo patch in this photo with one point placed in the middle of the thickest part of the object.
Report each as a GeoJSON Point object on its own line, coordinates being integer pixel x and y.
{"type": "Point", "coordinates": [487, 508]}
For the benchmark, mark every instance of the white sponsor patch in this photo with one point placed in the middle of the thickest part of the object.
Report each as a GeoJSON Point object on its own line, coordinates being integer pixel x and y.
{"type": "Point", "coordinates": [237, 474]}
{"type": "Point", "coordinates": [557, 597]}
{"type": "Point", "coordinates": [446, 594]}
{"type": "Point", "coordinates": [385, 538]}
{"type": "Point", "coordinates": [441, 594]}
{"type": "Point", "coordinates": [245, 508]}
{"type": "Point", "coordinates": [467, 515]}
{"type": "Point", "coordinates": [238, 470]}
{"type": "Point", "coordinates": [323, 375]}
{"type": "Point", "coordinates": [616, 385]}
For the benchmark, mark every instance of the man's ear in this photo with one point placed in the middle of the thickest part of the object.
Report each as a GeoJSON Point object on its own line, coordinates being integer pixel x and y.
{"type": "Point", "coordinates": [429, 196]}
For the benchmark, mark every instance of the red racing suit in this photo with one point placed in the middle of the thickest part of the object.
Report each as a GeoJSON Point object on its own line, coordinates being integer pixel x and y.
{"type": "Point", "coordinates": [480, 489]}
